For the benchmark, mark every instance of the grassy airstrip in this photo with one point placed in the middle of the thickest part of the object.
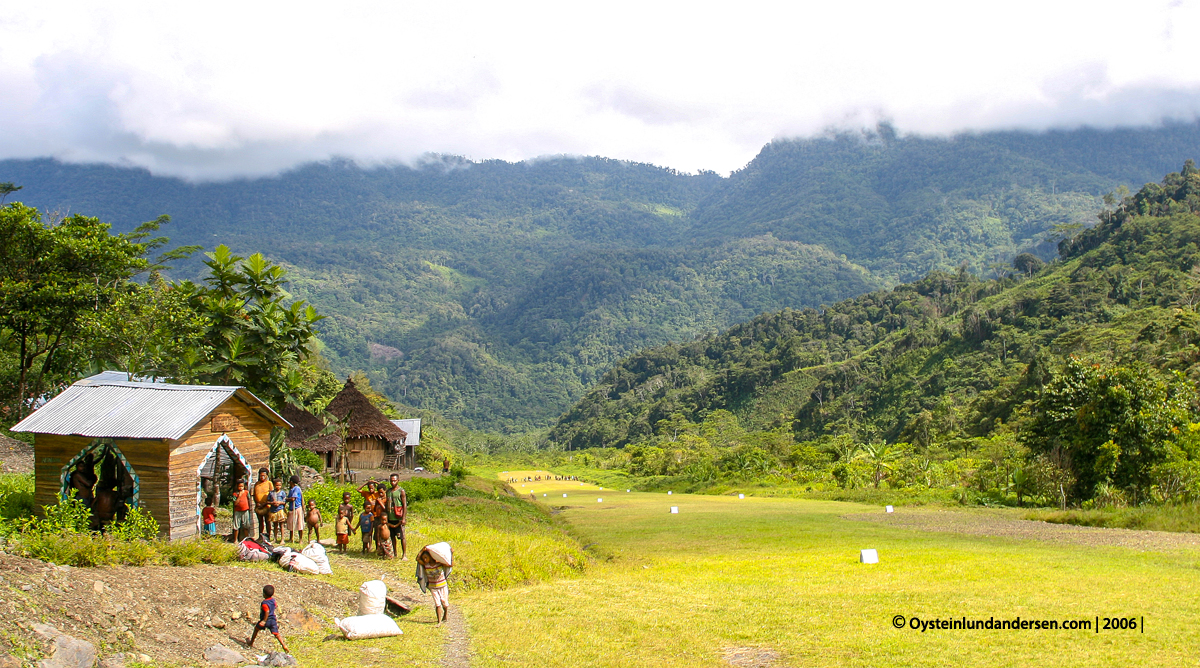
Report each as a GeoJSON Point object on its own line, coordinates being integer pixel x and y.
{"type": "Point", "coordinates": [755, 579]}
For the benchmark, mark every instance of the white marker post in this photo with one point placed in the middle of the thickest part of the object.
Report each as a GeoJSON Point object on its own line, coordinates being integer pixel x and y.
{"type": "Point", "coordinates": [628, 490]}
{"type": "Point", "coordinates": [890, 509]}
{"type": "Point", "coordinates": [741, 496]}
{"type": "Point", "coordinates": [868, 557]}
{"type": "Point", "coordinates": [599, 500]}
{"type": "Point", "coordinates": [564, 496]}
{"type": "Point", "coordinates": [674, 510]}
{"type": "Point", "coordinates": [669, 493]}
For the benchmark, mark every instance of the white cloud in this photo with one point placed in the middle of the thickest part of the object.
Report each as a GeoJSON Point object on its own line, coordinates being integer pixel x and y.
{"type": "Point", "coordinates": [225, 89]}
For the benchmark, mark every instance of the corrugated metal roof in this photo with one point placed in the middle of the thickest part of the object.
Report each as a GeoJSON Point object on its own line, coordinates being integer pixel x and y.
{"type": "Point", "coordinates": [412, 428]}
{"type": "Point", "coordinates": [96, 407]}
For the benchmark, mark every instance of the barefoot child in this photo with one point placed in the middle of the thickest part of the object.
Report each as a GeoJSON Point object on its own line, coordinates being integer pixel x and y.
{"type": "Point", "coordinates": [295, 508]}
{"type": "Point", "coordinates": [342, 528]}
{"type": "Point", "coordinates": [314, 520]}
{"type": "Point", "coordinates": [209, 518]}
{"type": "Point", "coordinates": [243, 515]}
{"type": "Point", "coordinates": [365, 526]}
{"type": "Point", "coordinates": [266, 618]}
{"type": "Point", "coordinates": [278, 500]}
{"type": "Point", "coordinates": [432, 575]}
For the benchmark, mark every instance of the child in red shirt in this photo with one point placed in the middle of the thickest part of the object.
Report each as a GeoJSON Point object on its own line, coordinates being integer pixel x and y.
{"type": "Point", "coordinates": [208, 517]}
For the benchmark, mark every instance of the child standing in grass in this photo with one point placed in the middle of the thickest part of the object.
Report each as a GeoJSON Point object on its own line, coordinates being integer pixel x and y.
{"type": "Point", "coordinates": [314, 520]}
{"type": "Point", "coordinates": [295, 508]}
{"type": "Point", "coordinates": [267, 619]}
{"type": "Point", "coordinates": [342, 528]}
{"type": "Point", "coordinates": [365, 525]}
{"type": "Point", "coordinates": [278, 500]}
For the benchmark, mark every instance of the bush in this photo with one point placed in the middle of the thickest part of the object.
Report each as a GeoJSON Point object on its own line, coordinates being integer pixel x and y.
{"type": "Point", "coordinates": [137, 525]}
{"type": "Point", "coordinates": [308, 458]}
{"type": "Point", "coordinates": [16, 495]}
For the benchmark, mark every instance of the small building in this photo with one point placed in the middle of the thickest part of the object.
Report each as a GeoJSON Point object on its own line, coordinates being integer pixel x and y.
{"type": "Point", "coordinates": [413, 428]}
{"type": "Point", "coordinates": [165, 447]}
{"type": "Point", "coordinates": [370, 435]}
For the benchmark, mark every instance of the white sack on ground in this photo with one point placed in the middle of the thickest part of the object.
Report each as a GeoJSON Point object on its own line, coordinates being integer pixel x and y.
{"type": "Point", "coordinates": [372, 597]}
{"type": "Point", "coordinates": [316, 552]}
{"type": "Point", "coordinates": [303, 564]}
{"type": "Point", "coordinates": [368, 626]}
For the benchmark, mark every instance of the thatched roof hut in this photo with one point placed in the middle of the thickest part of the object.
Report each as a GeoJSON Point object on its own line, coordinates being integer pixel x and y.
{"type": "Point", "coordinates": [305, 426]}
{"type": "Point", "coordinates": [370, 435]}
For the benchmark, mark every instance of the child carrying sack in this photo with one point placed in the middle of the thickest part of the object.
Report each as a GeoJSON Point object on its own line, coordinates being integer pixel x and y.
{"type": "Point", "coordinates": [316, 552]}
{"type": "Point", "coordinates": [372, 597]}
{"type": "Point", "coordinates": [367, 626]}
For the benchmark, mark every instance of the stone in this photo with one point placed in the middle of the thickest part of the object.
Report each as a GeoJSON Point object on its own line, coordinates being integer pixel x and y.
{"type": "Point", "coordinates": [9, 661]}
{"type": "Point", "coordinates": [164, 638]}
{"type": "Point", "coordinates": [223, 656]}
{"type": "Point", "coordinates": [26, 587]}
{"type": "Point", "coordinates": [53, 589]}
{"type": "Point", "coordinates": [115, 661]}
{"type": "Point", "coordinates": [45, 631]}
{"type": "Point", "coordinates": [70, 653]}
{"type": "Point", "coordinates": [277, 659]}
{"type": "Point", "coordinates": [303, 620]}
{"type": "Point", "coordinates": [144, 658]}
{"type": "Point", "coordinates": [217, 623]}
{"type": "Point", "coordinates": [99, 587]}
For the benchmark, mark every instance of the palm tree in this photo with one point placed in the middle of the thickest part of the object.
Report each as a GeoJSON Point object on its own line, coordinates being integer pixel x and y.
{"type": "Point", "coordinates": [880, 455]}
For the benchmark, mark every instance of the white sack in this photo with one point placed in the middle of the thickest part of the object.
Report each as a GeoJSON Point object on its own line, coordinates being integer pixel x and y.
{"type": "Point", "coordinates": [316, 552]}
{"type": "Point", "coordinates": [303, 564]}
{"type": "Point", "coordinates": [368, 626]}
{"type": "Point", "coordinates": [372, 598]}
{"type": "Point", "coordinates": [441, 553]}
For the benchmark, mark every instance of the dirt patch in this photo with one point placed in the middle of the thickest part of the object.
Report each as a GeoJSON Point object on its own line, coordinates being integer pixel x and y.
{"type": "Point", "coordinates": [987, 524]}
{"type": "Point", "coordinates": [458, 645]}
{"type": "Point", "coordinates": [15, 456]}
{"type": "Point", "coordinates": [171, 614]}
{"type": "Point", "coordinates": [750, 657]}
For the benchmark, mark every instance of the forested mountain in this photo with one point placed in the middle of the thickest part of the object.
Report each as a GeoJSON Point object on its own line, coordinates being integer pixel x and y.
{"type": "Point", "coordinates": [946, 359]}
{"type": "Point", "coordinates": [497, 293]}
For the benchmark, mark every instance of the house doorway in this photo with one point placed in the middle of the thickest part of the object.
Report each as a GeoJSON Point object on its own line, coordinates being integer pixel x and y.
{"type": "Point", "coordinates": [216, 478]}
{"type": "Point", "coordinates": [102, 478]}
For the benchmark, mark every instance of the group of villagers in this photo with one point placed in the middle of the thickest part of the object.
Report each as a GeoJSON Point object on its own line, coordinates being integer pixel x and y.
{"type": "Point", "coordinates": [381, 522]}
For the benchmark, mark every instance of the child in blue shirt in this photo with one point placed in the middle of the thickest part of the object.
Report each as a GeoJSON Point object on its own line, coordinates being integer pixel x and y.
{"type": "Point", "coordinates": [267, 619]}
{"type": "Point", "coordinates": [365, 525]}
{"type": "Point", "coordinates": [295, 505]}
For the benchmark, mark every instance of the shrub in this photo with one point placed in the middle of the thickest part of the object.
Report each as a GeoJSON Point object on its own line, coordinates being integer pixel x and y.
{"type": "Point", "coordinates": [137, 525]}
{"type": "Point", "coordinates": [16, 495]}
{"type": "Point", "coordinates": [308, 458]}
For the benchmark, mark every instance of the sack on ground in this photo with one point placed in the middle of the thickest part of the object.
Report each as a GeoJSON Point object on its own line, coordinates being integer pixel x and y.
{"type": "Point", "coordinates": [316, 552]}
{"type": "Point", "coordinates": [249, 550]}
{"type": "Point", "coordinates": [368, 626]}
{"type": "Point", "coordinates": [372, 597]}
{"type": "Point", "coordinates": [303, 564]}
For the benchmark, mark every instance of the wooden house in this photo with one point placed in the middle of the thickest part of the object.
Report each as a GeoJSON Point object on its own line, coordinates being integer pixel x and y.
{"type": "Point", "coordinates": [412, 427]}
{"type": "Point", "coordinates": [370, 435]}
{"type": "Point", "coordinates": [165, 447]}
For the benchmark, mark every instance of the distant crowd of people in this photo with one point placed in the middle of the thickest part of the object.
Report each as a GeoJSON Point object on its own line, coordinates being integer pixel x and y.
{"type": "Point", "coordinates": [538, 478]}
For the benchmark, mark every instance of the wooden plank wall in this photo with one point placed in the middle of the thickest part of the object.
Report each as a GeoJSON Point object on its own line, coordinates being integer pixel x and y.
{"type": "Point", "coordinates": [370, 453]}
{"type": "Point", "coordinates": [252, 439]}
{"type": "Point", "coordinates": [147, 457]}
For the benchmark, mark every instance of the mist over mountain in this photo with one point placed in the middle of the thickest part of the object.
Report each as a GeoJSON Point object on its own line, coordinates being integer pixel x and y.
{"type": "Point", "coordinates": [498, 293]}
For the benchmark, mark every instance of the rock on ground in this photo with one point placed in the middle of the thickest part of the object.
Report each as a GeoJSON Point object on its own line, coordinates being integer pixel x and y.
{"type": "Point", "coordinates": [70, 653]}
{"type": "Point", "coordinates": [277, 659]}
{"type": "Point", "coordinates": [223, 656]}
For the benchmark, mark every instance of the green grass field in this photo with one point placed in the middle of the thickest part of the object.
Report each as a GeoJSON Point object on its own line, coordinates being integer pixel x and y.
{"type": "Point", "coordinates": [769, 581]}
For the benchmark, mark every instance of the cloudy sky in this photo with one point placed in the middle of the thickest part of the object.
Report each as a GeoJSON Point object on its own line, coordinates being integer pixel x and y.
{"type": "Point", "coordinates": [223, 89]}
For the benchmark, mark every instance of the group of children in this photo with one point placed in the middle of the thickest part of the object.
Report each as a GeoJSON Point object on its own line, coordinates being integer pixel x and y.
{"type": "Point", "coordinates": [276, 510]}
{"type": "Point", "coordinates": [381, 522]}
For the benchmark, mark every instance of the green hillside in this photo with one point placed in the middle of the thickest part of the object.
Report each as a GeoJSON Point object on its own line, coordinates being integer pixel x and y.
{"type": "Point", "coordinates": [947, 360]}
{"type": "Point", "coordinates": [498, 293]}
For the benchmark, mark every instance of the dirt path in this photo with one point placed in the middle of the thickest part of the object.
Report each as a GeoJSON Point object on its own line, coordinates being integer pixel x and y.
{"type": "Point", "coordinates": [458, 646]}
{"type": "Point", "coordinates": [982, 523]}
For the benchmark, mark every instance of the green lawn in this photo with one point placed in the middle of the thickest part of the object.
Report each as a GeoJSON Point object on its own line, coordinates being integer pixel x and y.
{"type": "Point", "coordinates": [781, 577]}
